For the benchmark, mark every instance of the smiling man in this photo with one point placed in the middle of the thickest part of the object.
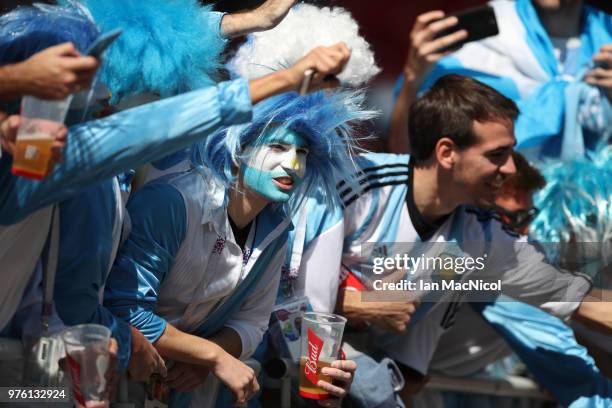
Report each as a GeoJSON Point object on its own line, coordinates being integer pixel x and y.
{"type": "Point", "coordinates": [435, 202]}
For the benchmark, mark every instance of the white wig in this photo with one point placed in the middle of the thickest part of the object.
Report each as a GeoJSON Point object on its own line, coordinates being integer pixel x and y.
{"type": "Point", "coordinates": [304, 28]}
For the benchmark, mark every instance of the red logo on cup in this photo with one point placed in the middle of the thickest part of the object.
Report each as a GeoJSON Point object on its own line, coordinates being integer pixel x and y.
{"type": "Point", "coordinates": [315, 344]}
{"type": "Point", "coordinates": [75, 372]}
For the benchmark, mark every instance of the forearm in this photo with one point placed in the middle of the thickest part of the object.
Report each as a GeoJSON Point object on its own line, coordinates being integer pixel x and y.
{"type": "Point", "coordinates": [398, 130]}
{"type": "Point", "coordinates": [101, 149]}
{"type": "Point", "coordinates": [237, 24]}
{"type": "Point", "coordinates": [349, 305]}
{"type": "Point", "coordinates": [392, 315]}
{"type": "Point", "coordinates": [229, 340]}
{"type": "Point", "coordinates": [265, 17]}
{"type": "Point", "coordinates": [269, 85]}
{"type": "Point", "coordinates": [13, 81]}
{"type": "Point", "coordinates": [180, 346]}
{"type": "Point", "coordinates": [596, 311]}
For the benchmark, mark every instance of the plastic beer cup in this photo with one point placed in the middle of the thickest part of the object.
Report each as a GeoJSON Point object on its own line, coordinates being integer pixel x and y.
{"type": "Point", "coordinates": [321, 337]}
{"type": "Point", "coordinates": [88, 360]}
{"type": "Point", "coordinates": [40, 122]}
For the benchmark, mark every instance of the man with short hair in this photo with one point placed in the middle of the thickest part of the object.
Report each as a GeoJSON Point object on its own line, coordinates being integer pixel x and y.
{"type": "Point", "coordinates": [484, 332]}
{"type": "Point", "coordinates": [462, 138]}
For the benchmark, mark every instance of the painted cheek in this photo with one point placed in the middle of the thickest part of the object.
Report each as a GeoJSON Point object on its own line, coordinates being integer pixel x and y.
{"type": "Point", "coordinates": [261, 182]}
{"type": "Point", "coordinates": [265, 159]}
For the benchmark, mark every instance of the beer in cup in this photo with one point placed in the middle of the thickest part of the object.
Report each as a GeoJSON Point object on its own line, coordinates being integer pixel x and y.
{"type": "Point", "coordinates": [40, 122]}
{"type": "Point", "coordinates": [320, 344]}
{"type": "Point", "coordinates": [88, 360]}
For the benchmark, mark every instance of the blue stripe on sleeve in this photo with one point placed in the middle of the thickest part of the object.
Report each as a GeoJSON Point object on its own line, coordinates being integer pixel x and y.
{"type": "Point", "coordinates": [100, 149]}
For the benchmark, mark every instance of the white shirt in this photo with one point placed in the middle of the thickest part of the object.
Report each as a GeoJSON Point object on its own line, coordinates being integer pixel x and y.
{"type": "Point", "coordinates": [184, 258]}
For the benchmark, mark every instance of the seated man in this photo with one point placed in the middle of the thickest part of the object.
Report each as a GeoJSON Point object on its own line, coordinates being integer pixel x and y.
{"type": "Point", "coordinates": [483, 332]}
{"type": "Point", "coordinates": [199, 272]}
{"type": "Point", "coordinates": [461, 135]}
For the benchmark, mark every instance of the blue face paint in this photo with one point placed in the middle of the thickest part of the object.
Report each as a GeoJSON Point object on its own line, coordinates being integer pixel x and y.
{"type": "Point", "coordinates": [276, 167]}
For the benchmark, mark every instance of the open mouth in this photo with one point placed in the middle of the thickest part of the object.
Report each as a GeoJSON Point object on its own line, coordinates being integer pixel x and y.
{"type": "Point", "coordinates": [285, 182]}
{"type": "Point", "coordinates": [496, 187]}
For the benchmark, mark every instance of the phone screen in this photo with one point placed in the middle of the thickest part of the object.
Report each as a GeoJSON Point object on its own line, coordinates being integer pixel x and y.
{"type": "Point", "coordinates": [479, 22]}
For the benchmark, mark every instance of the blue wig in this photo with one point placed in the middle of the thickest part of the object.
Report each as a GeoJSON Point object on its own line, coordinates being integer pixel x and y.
{"type": "Point", "coordinates": [167, 46]}
{"type": "Point", "coordinates": [326, 120]}
{"type": "Point", "coordinates": [576, 202]}
{"type": "Point", "coordinates": [28, 30]}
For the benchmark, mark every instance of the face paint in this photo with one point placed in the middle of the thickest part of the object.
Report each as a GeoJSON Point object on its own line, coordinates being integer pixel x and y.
{"type": "Point", "coordinates": [276, 167]}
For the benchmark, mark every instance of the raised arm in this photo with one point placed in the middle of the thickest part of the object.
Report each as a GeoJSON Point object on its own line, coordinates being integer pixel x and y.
{"type": "Point", "coordinates": [100, 149]}
{"type": "Point", "coordinates": [264, 17]}
{"type": "Point", "coordinates": [424, 51]}
{"type": "Point", "coordinates": [53, 73]}
{"type": "Point", "coordinates": [595, 310]}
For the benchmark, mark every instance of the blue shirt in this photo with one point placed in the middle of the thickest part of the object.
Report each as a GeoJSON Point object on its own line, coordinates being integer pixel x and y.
{"type": "Point", "coordinates": [100, 149]}
{"type": "Point", "coordinates": [97, 150]}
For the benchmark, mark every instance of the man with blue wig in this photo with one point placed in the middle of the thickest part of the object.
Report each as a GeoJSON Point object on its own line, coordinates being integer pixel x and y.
{"type": "Point", "coordinates": [200, 270]}
{"type": "Point", "coordinates": [94, 221]}
{"type": "Point", "coordinates": [100, 149]}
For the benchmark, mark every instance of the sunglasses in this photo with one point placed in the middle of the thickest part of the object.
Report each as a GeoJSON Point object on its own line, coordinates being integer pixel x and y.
{"type": "Point", "coordinates": [519, 218]}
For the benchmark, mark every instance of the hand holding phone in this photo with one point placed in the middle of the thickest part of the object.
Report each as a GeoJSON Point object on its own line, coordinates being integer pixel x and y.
{"type": "Point", "coordinates": [479, 23]}
{"type": "Point", "coordinates": [435, 35]}
{"type": "Point", "coordinates": [425, 47]}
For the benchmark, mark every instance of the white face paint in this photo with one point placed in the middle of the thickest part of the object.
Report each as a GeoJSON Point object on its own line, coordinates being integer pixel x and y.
{"type": "Point", "coordinates": [275, 168]}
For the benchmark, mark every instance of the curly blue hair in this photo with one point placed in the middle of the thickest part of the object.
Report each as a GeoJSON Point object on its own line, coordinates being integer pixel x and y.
{"type": "Point", "coordinates": [325, 119]}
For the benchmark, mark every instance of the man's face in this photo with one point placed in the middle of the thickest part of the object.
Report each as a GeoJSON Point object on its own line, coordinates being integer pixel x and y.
{"type": "Point", "coordinates": [480, 170]}
{"type": "Point", "coordinates": [275, 168]}
{"type": "Point", "coordinates": [516, 209]}
{"type": "Point", "coordinates": [553, 5]}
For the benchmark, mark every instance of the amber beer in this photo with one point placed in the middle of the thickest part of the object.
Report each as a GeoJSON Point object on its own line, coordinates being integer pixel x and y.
{"type": "Point", "coordinates": [40, 123]}
{"type": "Point", "coordinates": [307, 388]}
{"type": "Point", "coordinates": [321, 335]}
{"type": "Point", "coordinates": [32, 157]}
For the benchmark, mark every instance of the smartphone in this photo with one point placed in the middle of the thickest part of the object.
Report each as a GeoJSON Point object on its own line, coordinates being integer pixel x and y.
{"type": "Point", "coordinates": [103, 42]}
{"type": "Point", "coordinates": [479, 22]}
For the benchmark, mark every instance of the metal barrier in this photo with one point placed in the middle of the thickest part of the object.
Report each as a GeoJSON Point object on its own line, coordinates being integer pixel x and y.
{"type": "Point", "coordinates": [510, 386]}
